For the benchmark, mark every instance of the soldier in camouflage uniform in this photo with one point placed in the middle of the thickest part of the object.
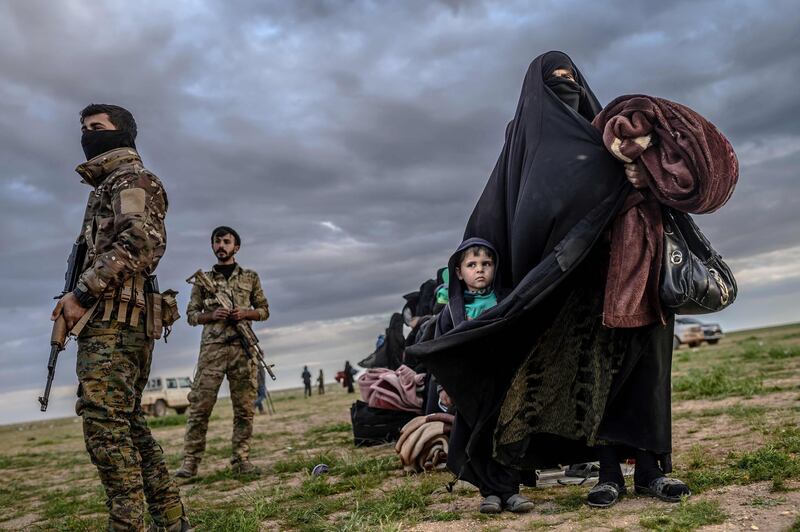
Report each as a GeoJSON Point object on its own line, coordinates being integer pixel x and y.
{"type": "Point", "coordinates": [123, 228]}
{"type": "Point", "coordinates": [221, 354]}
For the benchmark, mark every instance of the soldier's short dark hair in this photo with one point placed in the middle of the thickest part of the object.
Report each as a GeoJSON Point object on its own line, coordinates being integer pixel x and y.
{"type": "Point", "coordinates": [476, 250]}
{"type": "Point", "coordinates": [119, 116]}
{"type": "Point", "coordinates": [223, 230]}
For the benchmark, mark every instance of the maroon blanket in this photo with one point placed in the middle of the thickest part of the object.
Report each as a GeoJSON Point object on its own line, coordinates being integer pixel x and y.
{"type": "Point", "coordinates": [687, 164]}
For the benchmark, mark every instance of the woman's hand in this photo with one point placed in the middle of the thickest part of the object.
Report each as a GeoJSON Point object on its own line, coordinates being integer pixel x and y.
{"type": "Point", "coordinates": [635, 175]}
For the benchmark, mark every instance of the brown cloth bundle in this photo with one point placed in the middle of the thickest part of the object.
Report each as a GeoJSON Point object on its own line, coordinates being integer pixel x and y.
{"type": "Point", "coordinates": [687, 165]}
{"type": "Point", "coordinates": [423, 442]}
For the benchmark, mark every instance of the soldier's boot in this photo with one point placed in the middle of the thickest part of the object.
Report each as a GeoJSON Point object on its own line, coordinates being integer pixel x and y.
{"type": "Point", "coordinates": [174, 515]}
{"type": "Point", "coordinates": [182, 525]}
{"type": "Point", "coordinates": [189, 467]}
{"type": "Point", "coordinates": [245, 467]}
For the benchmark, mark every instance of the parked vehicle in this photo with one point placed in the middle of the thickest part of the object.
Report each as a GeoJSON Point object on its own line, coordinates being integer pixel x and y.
{"type": "Point", "coordinates": [712, 332]}
{"type": "Point", "coordinates": [166, 392]}
{"type": "Point", "coordinates": [687, 333]}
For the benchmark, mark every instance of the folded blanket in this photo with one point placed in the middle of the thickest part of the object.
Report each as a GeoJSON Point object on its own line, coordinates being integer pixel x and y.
{"type": "Point", "coordinates": [423, 442]}
{"type": "Point", "coordinates": [688, 165]}
{"type": "Point", "coordinates": [392, 389]}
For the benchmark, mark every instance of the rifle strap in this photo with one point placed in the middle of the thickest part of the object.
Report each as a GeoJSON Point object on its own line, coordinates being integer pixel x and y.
{"type": "Point", "coordinates": [76, 330]}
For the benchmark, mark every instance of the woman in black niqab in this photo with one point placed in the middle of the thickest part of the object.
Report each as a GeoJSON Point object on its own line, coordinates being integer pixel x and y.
{"type": "Point", "coordinates": [538, 378]}
{"type": "Point", "coordinates": [552, 171]}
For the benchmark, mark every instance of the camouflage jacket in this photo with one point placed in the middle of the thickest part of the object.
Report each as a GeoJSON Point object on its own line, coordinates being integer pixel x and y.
{"type": "Point", "coordinates": [123, 225]}
{"type": "Point", "coordinates": [243, 286]}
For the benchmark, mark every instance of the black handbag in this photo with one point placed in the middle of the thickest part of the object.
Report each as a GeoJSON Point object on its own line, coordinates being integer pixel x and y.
{"type": "Point", "coordinates": [694, 278]}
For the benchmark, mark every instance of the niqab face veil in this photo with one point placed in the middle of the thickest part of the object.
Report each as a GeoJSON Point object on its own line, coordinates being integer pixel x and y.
{"type": "Point", "coordinates": [576, 94]}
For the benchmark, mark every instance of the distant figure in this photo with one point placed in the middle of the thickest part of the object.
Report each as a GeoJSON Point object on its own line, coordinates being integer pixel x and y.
{"type": "Point", "coordinates": [306, 382]}
{"type": "Point", "coordinates": [349, 373]}
{"type": "Point", "coordinates": [262, 389]}
{"type": "Point", "coordinates": [321, 383]}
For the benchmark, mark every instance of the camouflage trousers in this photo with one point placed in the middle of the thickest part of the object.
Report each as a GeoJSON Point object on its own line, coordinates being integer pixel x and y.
{"type": "Point", "coordinates": [217, 361]}
{"type": "Point", "coordinates": [113, 368]}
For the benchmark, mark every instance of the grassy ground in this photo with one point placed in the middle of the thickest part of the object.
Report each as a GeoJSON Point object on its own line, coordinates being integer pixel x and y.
{"type": "Point", "coordinates": [735, 430]}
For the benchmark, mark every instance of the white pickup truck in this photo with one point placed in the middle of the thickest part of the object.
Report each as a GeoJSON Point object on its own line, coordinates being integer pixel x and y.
{"type": "Point", "coordinates": [166, 392]}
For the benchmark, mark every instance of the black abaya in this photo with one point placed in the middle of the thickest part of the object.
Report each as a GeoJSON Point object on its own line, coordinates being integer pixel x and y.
{"type": "Point", "coordinates": [553, 192]}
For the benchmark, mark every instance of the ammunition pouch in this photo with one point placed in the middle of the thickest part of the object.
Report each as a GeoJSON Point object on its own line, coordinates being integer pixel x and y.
{"type": "Point", "coordinates": [128, 300]}
{"type": "Point", "coordinates": [169, 308]}
{"type": "Point", "coordinates": [162, 312]}
{"type": "Point", "coordinates": [139, 295]}
{"type": "Point", "coordinates": [154, 313]}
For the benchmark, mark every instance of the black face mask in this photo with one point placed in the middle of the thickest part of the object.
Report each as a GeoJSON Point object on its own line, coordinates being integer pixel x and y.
{"type": "Point", "coordinates": [567, 90]}
{"type": "Point", "coordinates": [96, 142]}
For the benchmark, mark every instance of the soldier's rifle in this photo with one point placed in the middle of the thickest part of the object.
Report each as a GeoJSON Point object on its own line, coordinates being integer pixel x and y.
{"type": "Point", "coordinates": [247, 337]}
{"type": "Point", "coordinates": [58, 337]}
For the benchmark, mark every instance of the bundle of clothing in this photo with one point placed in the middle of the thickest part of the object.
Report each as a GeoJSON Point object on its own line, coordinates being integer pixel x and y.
{"type": "Point", "coordinates": [687, 164]}
{"type": "Point", "coordinates": [423, 443]}
{"type": "Point", "coordinates": [401, 389]}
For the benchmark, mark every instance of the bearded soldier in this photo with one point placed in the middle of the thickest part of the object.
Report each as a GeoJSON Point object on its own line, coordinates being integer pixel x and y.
{"type": "Point", "coordinates": [123, 230]}
{"type": "Point", "coordinates": [221, 353]}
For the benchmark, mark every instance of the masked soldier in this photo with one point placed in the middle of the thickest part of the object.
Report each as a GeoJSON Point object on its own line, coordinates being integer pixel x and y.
{"type": "Point", "coordinates": [123, 231]}
{"type": "Point", "coordinates": [221, 354]}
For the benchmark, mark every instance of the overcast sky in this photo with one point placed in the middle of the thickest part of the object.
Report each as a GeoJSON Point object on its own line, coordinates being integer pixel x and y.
{"type": "Point", "coordinates": [347, 143]}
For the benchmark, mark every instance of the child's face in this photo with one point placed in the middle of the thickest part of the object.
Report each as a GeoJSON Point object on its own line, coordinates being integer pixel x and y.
{"type": "Point", "coordinates": [476, 270]}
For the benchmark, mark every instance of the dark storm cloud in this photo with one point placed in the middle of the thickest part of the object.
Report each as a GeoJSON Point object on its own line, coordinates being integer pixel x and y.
{"type": "Point", "coordinates": [348, 141]}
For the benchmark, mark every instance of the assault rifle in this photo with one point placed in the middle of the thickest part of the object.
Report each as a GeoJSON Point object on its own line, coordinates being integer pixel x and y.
{"type": "Point", "coordinates": [58, 337]}
{"type": "Point", "coordinates": [245, 333]}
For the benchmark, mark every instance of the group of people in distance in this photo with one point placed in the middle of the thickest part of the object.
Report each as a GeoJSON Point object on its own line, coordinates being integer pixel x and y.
{"type": "Point", "coordinates": [521, 352]}
{"type": "Point", "coordinates": [306, 376]}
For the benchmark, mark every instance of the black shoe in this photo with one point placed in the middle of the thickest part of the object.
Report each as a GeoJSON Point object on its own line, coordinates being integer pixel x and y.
{"type": "Point", "coordinates": [665, 488]}
{"type": "Point", "coordinates": [605, 494]}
